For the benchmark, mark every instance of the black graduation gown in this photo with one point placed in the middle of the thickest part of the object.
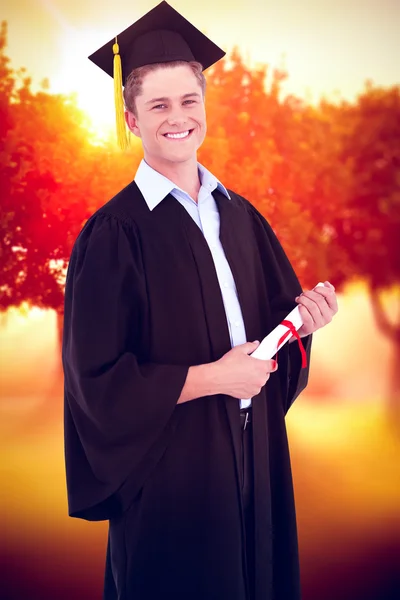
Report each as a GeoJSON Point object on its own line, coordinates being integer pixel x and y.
{"type": "Point", "coordinates": [142, 304]}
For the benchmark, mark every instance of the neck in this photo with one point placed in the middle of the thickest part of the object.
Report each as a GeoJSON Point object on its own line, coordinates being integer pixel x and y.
{"type": "Point", "coordinates": [184, 174]}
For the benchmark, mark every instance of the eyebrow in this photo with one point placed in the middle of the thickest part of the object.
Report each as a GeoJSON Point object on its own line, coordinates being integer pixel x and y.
{"type": "Point", "coordinates": [164, 99]}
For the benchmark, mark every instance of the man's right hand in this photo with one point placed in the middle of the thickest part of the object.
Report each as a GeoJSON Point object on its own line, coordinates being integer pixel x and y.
{"type": "Point", "coordinates": [242, 376]}
{"type": "Point", "coordinates": [235, 374]}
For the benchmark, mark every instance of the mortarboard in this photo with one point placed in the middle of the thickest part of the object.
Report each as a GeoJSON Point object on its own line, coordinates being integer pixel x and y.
{"type": "Point", "coordinates": [161, 35]}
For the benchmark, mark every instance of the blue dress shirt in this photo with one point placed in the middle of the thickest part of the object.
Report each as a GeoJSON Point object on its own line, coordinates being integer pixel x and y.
{"type": "Point", "coordinates": [154, 188]}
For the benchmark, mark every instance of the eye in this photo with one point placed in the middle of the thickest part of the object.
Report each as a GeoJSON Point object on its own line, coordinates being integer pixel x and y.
{"type": "Point", "coordinates": [189, 101]}
{"type": "Point", "coordinates": [159, 106]}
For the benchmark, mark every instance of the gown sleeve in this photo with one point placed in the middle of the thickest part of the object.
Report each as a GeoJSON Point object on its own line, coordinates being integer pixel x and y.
{"type": "Point", "coordinates": [284, 287]}
{"type": "Point", "coordinates": [117, 409]}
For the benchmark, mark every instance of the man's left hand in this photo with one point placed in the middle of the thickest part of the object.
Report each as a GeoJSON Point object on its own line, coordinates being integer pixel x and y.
{"type": "Point", "coordinates": [317, 308]}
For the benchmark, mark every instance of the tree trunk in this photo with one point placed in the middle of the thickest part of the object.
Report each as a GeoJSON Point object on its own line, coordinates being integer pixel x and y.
{"type": "Point", "coordinates": [391, 330]}
{"type": "Point", "coordinates": [60, 325]}
{"type": "Point", "coordinates": [394, 385]}
{"type": "Point", "coordinates": [48, 413]}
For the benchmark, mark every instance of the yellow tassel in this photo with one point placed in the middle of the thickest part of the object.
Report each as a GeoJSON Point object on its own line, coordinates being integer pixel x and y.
{"type": "Point", "coordinates": [119, 100]}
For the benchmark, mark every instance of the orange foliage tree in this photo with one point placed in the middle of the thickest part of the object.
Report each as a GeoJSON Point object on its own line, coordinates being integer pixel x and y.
{"type": "Point", "coordinates": [368, 232]}
{"type": "Point", "coordinates": [282, 155]}
{"type": "Point", "coordinates": [53, 176]}
{"type": "Point", "coordinates": [327, 178]}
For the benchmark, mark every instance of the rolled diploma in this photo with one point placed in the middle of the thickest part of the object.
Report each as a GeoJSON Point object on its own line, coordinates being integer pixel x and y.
{"type": "Point", "coordinates": [269, 346]}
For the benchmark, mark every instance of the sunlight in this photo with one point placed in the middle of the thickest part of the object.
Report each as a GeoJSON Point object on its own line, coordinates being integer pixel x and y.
{"type": "Point", "coordinates": [94, 89]}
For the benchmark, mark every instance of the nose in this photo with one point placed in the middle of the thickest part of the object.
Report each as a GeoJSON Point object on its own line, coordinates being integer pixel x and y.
{"type": "Point", "coordinates": [176, 117]}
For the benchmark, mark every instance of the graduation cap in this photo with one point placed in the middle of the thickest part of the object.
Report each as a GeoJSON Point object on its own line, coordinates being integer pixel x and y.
{"type": "Point", "coordinates": [161, 35]}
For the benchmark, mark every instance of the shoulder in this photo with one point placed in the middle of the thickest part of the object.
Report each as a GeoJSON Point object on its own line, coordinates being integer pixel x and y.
{"type": "Point", "coordinates": [125, 206]}
{"type": "Point", "coordinates": [113, 224]}
{"type": "Point", "coordinates": [118, 214]}
{"type": "Point", "coordinates": [242, 203]}
{"type": "Point", "coordinates": [237, 199]}
{"type": "Point", "coordinates": [261, 227]}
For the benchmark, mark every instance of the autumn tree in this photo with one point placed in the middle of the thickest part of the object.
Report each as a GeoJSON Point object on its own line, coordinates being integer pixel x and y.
{"type": "Point", "coordinates": [281, 154]}
{"type": "Point", "coordinates": [368, 232]}
{"type": "Point", "coordinates": [326, 177]}
{"type": "Point", "coordinates": [53, 176]}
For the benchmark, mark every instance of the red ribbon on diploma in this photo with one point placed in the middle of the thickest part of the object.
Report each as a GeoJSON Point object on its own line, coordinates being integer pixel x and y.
{"type": "Point", "coordinates": [292, 329]}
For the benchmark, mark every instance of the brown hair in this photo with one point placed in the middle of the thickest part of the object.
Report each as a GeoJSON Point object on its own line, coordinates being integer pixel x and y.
{"type": "Point", "coordinates": [133, 86]}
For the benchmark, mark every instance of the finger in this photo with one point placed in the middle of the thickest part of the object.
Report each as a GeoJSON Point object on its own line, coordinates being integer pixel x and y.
{"type": "Point", "coordinates": [322, 291]}
{"type": "Point", "coordinates": [272, 366]}
{"type": "Point", "coordinates": [315, 308]}
{"type": "Point", "coordinates": [325, 311]}
{"type": "Point", "coordinates": [332, 302]}
{"type": "Point", "coordinates": [248, 347]}
{"type": "Point", "coordinates": [329, 295]}
{"type": "Point", "coordinates": [308, 321]}
{"type": "Point", "coordinates": [313, 296]}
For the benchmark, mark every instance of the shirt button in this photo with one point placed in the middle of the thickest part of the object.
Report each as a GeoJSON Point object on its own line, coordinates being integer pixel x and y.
{"type": "Point", "coordinates": [226, 284]}
{"type": "Point", "coordinates": [237, 323]}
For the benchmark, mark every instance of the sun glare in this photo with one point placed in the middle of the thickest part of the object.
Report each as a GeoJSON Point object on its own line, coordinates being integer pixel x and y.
{"type": "Point", "coordinates": [77, 74]}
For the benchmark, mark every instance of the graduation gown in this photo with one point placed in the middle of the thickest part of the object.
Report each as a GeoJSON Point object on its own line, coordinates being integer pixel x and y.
{"type": "Point", "coordinates": [143, 304]}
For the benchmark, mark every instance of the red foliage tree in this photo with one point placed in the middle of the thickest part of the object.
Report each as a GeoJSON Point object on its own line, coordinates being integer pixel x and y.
{"type": "Point", "coordinates": [368, 231]}
{"type": "Point", "coordinates": [282, 155]}
{"type": "Point", "coordinates": [327, 177]}
{"type": "Point", "coordinates": [52, 177]}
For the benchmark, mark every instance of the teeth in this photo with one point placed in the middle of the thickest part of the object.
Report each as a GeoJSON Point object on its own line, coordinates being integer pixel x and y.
{"type": "Point", "coordinates": [177, 136]}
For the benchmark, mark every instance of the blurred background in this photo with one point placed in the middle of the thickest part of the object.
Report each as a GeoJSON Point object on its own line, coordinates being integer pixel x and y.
{"type": "Point", "coordinates": [304, 121]}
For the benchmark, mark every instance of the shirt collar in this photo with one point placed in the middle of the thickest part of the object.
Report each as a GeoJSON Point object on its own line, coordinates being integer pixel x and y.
{"type": "Point", "coordinates": [155, 187]}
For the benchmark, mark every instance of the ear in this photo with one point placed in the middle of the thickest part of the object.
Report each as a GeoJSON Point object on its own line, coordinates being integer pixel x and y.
{"type": "Point", "coordinates": [132, 123]}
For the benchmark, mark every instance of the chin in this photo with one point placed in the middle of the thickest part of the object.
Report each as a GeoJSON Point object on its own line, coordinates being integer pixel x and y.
{"type": "Point", "coordinates": [180, 157]}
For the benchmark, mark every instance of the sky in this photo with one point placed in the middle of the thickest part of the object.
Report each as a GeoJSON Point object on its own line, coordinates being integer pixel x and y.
{"type": "Point", "coordinates": [329, 47]}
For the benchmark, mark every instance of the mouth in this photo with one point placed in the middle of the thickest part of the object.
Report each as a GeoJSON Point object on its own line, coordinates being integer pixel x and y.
{"type": "Point", "coordinates": [182, 135]}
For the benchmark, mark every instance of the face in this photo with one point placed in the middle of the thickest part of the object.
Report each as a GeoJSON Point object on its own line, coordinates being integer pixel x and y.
{"type": "Point", "coordinates": [170, 119]}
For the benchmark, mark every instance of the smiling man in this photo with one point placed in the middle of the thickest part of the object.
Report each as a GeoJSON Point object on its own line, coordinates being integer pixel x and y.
{"type": "Point", "coordinates": [174, 433]}
{"type": "Point", "coordinates": [172, 127]}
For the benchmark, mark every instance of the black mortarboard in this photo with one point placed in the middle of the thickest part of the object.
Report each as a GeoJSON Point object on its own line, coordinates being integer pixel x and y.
{"type": "Point", "coordinates": [161, 35]}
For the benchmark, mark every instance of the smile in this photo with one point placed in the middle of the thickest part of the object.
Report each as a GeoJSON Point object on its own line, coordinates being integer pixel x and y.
{"type": "Point", "coordinates": [178, 136]}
